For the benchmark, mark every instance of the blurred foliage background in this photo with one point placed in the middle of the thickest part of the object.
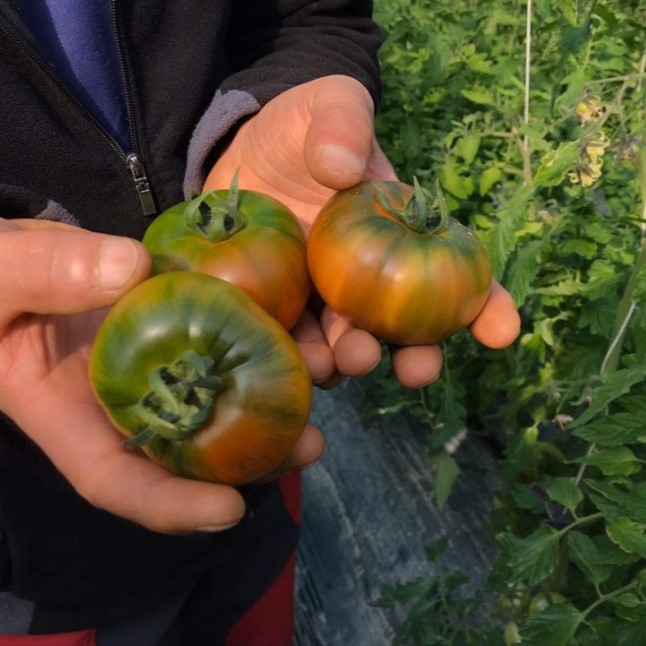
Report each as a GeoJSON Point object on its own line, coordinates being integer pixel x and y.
{"type": "Point", "coordinates": [532, 116]}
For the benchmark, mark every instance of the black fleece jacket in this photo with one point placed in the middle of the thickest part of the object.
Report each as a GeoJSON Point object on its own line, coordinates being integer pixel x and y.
{"type": "Point", "coordinates": [192, 71]}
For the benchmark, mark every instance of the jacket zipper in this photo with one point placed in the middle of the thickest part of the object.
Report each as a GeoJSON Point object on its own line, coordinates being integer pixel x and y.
{"type": "Point", "coordinates": [132, 159]}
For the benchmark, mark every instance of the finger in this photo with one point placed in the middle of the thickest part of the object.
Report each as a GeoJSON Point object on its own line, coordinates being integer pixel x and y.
{"type": "Point", "coordinates": [379, 167]}
{"type": "Point", "coordinates": [356, 352]}
{"type": "Point", "coordinates": [314, 347]}
{"type": "Point", "coordinates": [305, 453]}
{"type": "Point", "coordinates": [91, 455]}
{"type": "Point", "coordinates": [61, 270]}
{"type": "Point", "coordinates": [339, 140]}
{"type": "Point", "coordinates": [417, 366]}
{"type": "Point", "coordinates": [498, 324]}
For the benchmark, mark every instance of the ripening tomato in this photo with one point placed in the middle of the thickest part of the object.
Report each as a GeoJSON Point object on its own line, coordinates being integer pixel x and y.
{"type": "Point", "coordinates": [201, 377]}
{"type": "Point", "coordinates": [395, 263]}
{"type": "Point", "coordinates": [244, 237]}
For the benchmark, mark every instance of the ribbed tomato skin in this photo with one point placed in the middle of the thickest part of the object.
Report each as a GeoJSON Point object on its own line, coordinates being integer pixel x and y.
{"type": "Point", "coordinates": [265, 398]}
{"type": "Point", "coordinates": [405, 287]}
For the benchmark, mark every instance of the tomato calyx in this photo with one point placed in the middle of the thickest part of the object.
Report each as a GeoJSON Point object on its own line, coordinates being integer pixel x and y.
{"type": "Point", "coordinates": [422, 213]}
{"type": "Point", "coordinates": [213, 217]}
{"type": "Point", "coordinates": [180, 401]}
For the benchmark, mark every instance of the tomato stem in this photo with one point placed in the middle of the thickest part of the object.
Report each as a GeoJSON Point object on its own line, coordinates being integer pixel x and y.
{"type": "Point", "coordinates": [423, 213]}
{"type": "Point", "coordinates": [180, 401]}
{"type": "Point", "coordinates": [214, 217]}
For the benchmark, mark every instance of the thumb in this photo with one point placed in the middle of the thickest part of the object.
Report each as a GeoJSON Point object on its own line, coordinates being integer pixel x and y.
{"type": "Point", "coordinates": [60, 270]}
{"type": "Point", "coordinates": [340, 147]}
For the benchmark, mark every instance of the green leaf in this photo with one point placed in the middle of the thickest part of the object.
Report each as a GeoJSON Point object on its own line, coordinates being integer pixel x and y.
{"type": "Point", "coordinates": [574, 38]}
{"type": "Point", "coordinates": [614, 461]}
{"type": "Point", "coordinates": [628, 535]}
{"type": "Point", "coordinates": [451, 411]}
{"type": "Point", "coordinates": [523, 270]}
{"type": "Point", "coordinates": [607, 14]}
{"type": "Point", "coordinates": [511, 218]}
{"type": "Point", "coordinates": [468, 146]}
{"type": "Point", "coordinates": [565, 492]}
{"type": "Point", "coordinates": [480, 95]}
{"type": "Point", "coordinates": [583, 248]}
{"type": "Point", "coordinates": [629, 600]}
{"type": "Point", "coordinates": [455, 183]}
{"type": "Point", "coordinates": [614, 385]}
{"type": "Point", "coordinates": [446, 471]}
{"type": "Point", "coordinates": [619, 502]}
{"type": "Point", "coordinates": [588, 557]}
{"type": "Point", "coordinates": [533, 558]}
{"type": "Point", "coordinates": [555, 165]}
{"type": "Point", "coordinates": [557, 624]}
{"type": "Point", "coordinates": [630, 633]}
{"type": "Point", "coordinates": [488, 178]}
{"type": "Point", "coordinates": [614, 430]}
{"type": "Point", "coordinates": [569, 10]}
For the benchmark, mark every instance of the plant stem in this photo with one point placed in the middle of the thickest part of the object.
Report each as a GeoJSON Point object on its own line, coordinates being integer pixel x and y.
{"type": "Point", "coordinates": [526, 152]}
{"type": "Point", "coordinates": [607, 597]}
{"type": "Point", "coordinates": [627, 305]}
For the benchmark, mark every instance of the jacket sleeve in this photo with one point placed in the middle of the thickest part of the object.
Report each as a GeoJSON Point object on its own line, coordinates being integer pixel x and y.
{"type": "Point", "coordinates": [278, 44]}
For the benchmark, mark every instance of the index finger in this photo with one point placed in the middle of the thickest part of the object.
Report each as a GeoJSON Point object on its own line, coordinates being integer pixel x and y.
{"type": "Point", "coordinates": [498, 324]}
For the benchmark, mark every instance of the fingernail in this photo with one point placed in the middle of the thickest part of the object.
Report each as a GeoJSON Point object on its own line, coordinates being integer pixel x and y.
{"type": "Point", "coordinates": [216, 528]}
{"type": "Point", "coordinates": [341, 160]}
{"type": "Point", "coordinates": [117, 264]}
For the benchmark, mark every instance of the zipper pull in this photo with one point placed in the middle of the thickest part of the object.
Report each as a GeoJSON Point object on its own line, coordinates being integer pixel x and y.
{"type": "Point", "coordinates": [142, 184]}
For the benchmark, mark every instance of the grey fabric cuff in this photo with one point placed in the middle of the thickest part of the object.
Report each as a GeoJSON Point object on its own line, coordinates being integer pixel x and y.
{"type": "Point", "coordinates": [225, 111]}
{"type": "Point", "coordinates": [56, 213]}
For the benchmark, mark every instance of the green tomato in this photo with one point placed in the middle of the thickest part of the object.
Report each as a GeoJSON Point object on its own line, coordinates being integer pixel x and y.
{"type": "Point", "coordinates": [244, 237]}
{"type": "Point", "coordinates": [201, 377]}
{"type": "Point", "coordinates": [392, 262]}
{"type": "Point", "coordinates": [542, 600]}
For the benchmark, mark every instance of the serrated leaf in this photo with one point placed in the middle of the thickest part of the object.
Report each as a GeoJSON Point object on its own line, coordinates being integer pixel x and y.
{"type": "Point", "coordinates": [574, 38]}
{"type": "Point", "coordinates": [488, 178]}
{"type": "Point", "coordinates": [628, 535]}
{"type": "Point", "coordinates": [565, 492]}
{"type": "Point", "coordinates": [587, 556]}
{"type": "Point", "coordinates": [583, 248]}
{"type": "Point", "coordinates": [532, 558]}
{"type": "Point", "coordinates": [614, 430]}
{"type": "Point", "coordinates": [569, 10]}
{"type": "Point", "coordinates": [446, 472]}
{"type": "Point", "coordinates": [614, 461]}
{"type": "Point", "coordinates": [631, 632]}
{"type": "Point", "coordinates": [480, 96]}
{"type": "Point", "coordinates": [610, 509]}
{"type": "Point", "coordinates": [511, 217]}
{"type": "Point", "coordinates": [451, 411]}
{"type": "Point", "coordinates": [454, 182]}
{"type": "Point", "coordinates": [619, 502]}
{"type": "Point", "coordinates": [607, 14]}
{"type": "Point", "coordinates": [556, 164]}
{"type": "Point", "coordinates": [556, 624]}
{"type": "Point", "coordinates": [629, 600]}
{"type": "Point", "coordinates": [468, 146]}
{"type": "Point", "coordinates": [614, 385]}
{"type": "Point", "coordinates": [523, 270]}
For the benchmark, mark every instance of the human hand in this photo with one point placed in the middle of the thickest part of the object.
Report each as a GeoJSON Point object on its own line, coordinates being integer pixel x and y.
{"type": "Point", "coordinates": [304, 145]}
{"type": "Point", "coordinates": [55, 283]}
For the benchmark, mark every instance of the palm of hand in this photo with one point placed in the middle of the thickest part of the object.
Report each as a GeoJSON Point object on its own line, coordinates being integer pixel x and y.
{"type": "Point", "coordinates": [305, 144]}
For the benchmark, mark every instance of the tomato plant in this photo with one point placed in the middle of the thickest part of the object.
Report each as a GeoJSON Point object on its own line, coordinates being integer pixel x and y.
{"type": "Point", "coordinates": [205, 381]}
{"type": "Point", "coordinates": [396, 264]}
{"type": "Point", "coordinates": [244, 237]}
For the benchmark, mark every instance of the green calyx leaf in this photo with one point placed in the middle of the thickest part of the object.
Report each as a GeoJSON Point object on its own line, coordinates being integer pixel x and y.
{"type": "Point", "coordinates": [423, 213]}
{"type": "Point", "coordinates": [214, 217]}
{"type": "Point", "coordinates": [180, 400]}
